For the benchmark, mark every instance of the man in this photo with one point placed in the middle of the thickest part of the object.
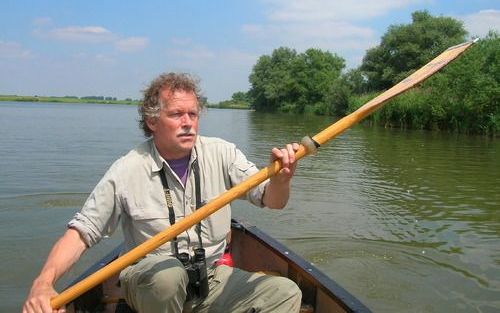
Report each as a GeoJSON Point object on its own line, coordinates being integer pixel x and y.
{"type": "Point", "coordinates": [162, 181]}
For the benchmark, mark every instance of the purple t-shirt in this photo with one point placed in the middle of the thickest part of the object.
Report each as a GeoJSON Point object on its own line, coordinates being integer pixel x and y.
{"type": "Point", "coordinates": [180, 166]}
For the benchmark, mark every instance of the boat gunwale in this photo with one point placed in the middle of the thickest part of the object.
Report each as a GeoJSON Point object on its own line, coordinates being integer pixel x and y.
{"type": "Point", "coordinates": [328, 285]}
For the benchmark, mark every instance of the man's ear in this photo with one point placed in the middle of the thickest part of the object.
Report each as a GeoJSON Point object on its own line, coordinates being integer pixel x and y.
{"type": "Point", "coordinates": [151, 122]}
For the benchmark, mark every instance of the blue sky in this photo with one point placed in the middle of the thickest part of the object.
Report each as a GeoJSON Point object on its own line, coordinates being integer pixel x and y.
{"type": "Point", "coordinates": [114, 48]}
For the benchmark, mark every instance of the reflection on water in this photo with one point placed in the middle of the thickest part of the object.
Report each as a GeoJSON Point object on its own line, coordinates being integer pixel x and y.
{"type": "Point", "coordinates": [408, 221]}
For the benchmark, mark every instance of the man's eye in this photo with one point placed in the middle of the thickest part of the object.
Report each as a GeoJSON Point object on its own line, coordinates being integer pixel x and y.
{"type": "Point", "coordinates": [175, 115]}
{"type": "Point", "coordinates": [179, 115]}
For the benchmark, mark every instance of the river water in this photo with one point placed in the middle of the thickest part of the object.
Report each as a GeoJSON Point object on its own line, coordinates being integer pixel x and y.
{"type": "Point", "coordinates": [407, 221]}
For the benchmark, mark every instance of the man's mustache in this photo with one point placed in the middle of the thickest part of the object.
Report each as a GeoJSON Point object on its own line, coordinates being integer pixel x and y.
{"type": "Point", "coordinates": [187, 133]}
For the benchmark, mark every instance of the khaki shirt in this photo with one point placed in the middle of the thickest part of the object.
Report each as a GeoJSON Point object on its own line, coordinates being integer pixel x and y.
{"type": "Point", "coordinates": [131, 191]}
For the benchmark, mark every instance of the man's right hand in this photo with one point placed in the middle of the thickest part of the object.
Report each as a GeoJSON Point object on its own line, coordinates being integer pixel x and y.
{"type": "Point", "coordinates": [38, 300]}
{"type": "Point", "coordinates": [64, 253]}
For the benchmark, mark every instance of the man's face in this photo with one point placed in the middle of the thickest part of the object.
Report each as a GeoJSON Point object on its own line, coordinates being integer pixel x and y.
{"type": "Point", "coordinates": [175, 130]}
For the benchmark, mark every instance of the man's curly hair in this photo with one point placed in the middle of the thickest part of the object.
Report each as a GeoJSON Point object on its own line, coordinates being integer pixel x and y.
{"type": "Point", "coordinates": [151, 104]}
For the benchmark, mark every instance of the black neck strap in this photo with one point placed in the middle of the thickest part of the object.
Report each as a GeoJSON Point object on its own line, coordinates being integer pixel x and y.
{"type": "Point", "coordinates": [168, 197]}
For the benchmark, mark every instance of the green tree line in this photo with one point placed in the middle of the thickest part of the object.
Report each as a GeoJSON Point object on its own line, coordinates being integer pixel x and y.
{"type": "Point", "coordinates": [463, 97]}
{"type": "Point", "coordinates": [68, 99]}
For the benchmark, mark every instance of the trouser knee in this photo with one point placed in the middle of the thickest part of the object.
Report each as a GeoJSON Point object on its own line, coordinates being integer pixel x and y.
{"type": "Point", "coordinates": [156, 284]}
{"type": "Point", "coordinates": [288, 292]}
{"type": "Point", "coordinates": [165, 283]}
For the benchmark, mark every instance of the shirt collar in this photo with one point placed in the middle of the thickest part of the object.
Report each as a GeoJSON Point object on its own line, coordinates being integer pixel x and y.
{"type": "Point", "coordinates": [158, 160]}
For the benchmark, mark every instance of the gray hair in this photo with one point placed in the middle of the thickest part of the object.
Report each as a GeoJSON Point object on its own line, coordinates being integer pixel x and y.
{"type": "Point", "coordinates": [151, 104]}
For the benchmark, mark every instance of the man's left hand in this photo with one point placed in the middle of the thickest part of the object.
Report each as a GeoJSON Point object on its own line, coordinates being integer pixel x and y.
{"type": "Point", "coordinates": [287, 157]}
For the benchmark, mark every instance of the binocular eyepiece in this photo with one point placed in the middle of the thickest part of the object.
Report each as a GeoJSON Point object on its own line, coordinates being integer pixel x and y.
{"type": "Point", "coordinates": [196, 268]}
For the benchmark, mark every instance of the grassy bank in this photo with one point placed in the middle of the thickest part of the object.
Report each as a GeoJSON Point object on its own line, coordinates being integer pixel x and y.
{"type": "Point", "coordinates": [15, 98]}
{"type": "Point", "coordinates": [230, 104]}
{"type": "Point", "coordinates": [434, 109]}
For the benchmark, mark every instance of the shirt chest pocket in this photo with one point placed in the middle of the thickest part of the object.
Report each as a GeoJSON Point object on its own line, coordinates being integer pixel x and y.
{"type": "Point", "coordinates": [145, 207]}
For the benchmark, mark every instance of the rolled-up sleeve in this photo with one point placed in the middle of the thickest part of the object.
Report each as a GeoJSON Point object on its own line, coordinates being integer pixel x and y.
{"type": "Point", "coordinates": [240, 170]}
{"type": "Point", "coordinates": [99, 215]}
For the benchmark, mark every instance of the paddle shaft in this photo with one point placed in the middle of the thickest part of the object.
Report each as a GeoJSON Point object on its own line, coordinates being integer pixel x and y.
{"type": "Point", "coordinates": [237, 191]}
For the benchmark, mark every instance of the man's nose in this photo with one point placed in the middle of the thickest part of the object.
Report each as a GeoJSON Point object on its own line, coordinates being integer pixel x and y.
{"type": "Point", "coordinates": [186, 119]}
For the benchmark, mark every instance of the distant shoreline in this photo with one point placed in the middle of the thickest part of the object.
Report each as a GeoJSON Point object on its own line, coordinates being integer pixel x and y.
{"type": "Point", "coordinates": [235, 107]}
{"type": "Point", "coordinates": [15, 98]}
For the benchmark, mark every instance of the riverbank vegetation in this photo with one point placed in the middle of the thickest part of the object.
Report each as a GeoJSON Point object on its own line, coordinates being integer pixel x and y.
{"type": "Point", "coordinates": [68, 99]}
{"type": "Point", "coordinates": [463, 97]}
{"type": "Point", "coordinates": [239, 100]}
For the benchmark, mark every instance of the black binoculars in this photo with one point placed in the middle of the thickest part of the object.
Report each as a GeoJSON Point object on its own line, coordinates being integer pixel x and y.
{"type": "Point", "coordinates": [196, 268]}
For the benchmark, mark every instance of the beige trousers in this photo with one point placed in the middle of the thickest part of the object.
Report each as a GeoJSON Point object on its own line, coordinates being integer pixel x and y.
{"type": "Point", "coordinates": [158, 284]}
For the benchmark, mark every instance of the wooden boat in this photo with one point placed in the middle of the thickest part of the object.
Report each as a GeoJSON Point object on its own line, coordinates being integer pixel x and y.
{"type": "Point", "coordinates": [252, 250]}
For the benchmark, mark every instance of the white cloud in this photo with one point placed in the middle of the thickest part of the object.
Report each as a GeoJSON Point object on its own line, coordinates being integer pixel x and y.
{"type": "Point", "coordinates": [332, 25]}
{"type": "Point", "coordinates": [13, 50]}
{"type": "Point", "coordinates": [327, 30]}
{"type": "Point", "coordinates": [321, 10]}
{"type": "Point", "coordinates": [478, 24]}
{"type": "Point", "coordinates": [337, 26]}
{"type": "Point", "coordinates": [85, 34]}
{"type": "Point", "coordinates": [225, 74]}
{"type": "Point", "coordinates": [222, 71]}
{"type": "Point", "coordinates": [131, 44]}
{"type": "Point", "coordinates": [189, 53]}
{"type": "Point", "coordinates": [181, 41]}
{"type": "Point", "coordinates": [100, 58]}
{"type": "Point", "coordinates": [348, 40]}
{"type": "Point", "coordinates": [42, 21]}
{"type": "Point", "coordinates": [89, 34]}
{"type": "Point", "coordinates": [105, 59]}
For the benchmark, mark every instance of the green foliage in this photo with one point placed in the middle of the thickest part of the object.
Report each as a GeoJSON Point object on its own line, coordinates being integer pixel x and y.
{"type": "Point", "coordinates": [66, 99]}
{"type": "Point", "coordinates": [271, 79]}
{"type": "Point", "coordinates": [464, 97]}
{"type": "Point", "coordinates": [239, 100]}
{"type": "Point", "coordinates": [410, 110]}
{"type": "Point", "coordinates": [291, 82]}
{"type": "Point", "coordinates": [356, 81]}
{"type": "Point", "coordinates": [240, 97]}
{"type": "Point", "coordinates": [355, 102]}
{"type": "Point", "coordinates": [405, 48]}
{"type": "Point", "coordinates": [230, 104]}
{"type": "Point", "coordinates": [336, 100]}
{"type": "Point", "coordinates": [468, 90]}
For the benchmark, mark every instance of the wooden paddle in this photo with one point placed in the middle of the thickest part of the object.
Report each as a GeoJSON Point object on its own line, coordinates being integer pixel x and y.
{"type": "Point", "coordinates": [307, 147]}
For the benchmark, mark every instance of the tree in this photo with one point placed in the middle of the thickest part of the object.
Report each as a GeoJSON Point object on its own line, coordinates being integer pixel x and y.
{"type": "Point", "coordinates": [468, 90]}
{"type": "Point", "coordinates": [240, 96]}
{"type": "Point", "coordinates": [291, 82]}
{"type": "Point", "coordinates": [270, 79]}
{"type": "Point", "coordinates": [356, 81]}
{"type": "Point", "coordinates": [405, 48]}
{"type": "Point", "coordinates": [314, 73]}
{"type": "Point", "coordinates": [464, 97]}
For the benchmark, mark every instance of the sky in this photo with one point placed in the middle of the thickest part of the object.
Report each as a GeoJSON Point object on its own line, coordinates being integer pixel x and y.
{"type": "Point", "coordinates": [115, 48]}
